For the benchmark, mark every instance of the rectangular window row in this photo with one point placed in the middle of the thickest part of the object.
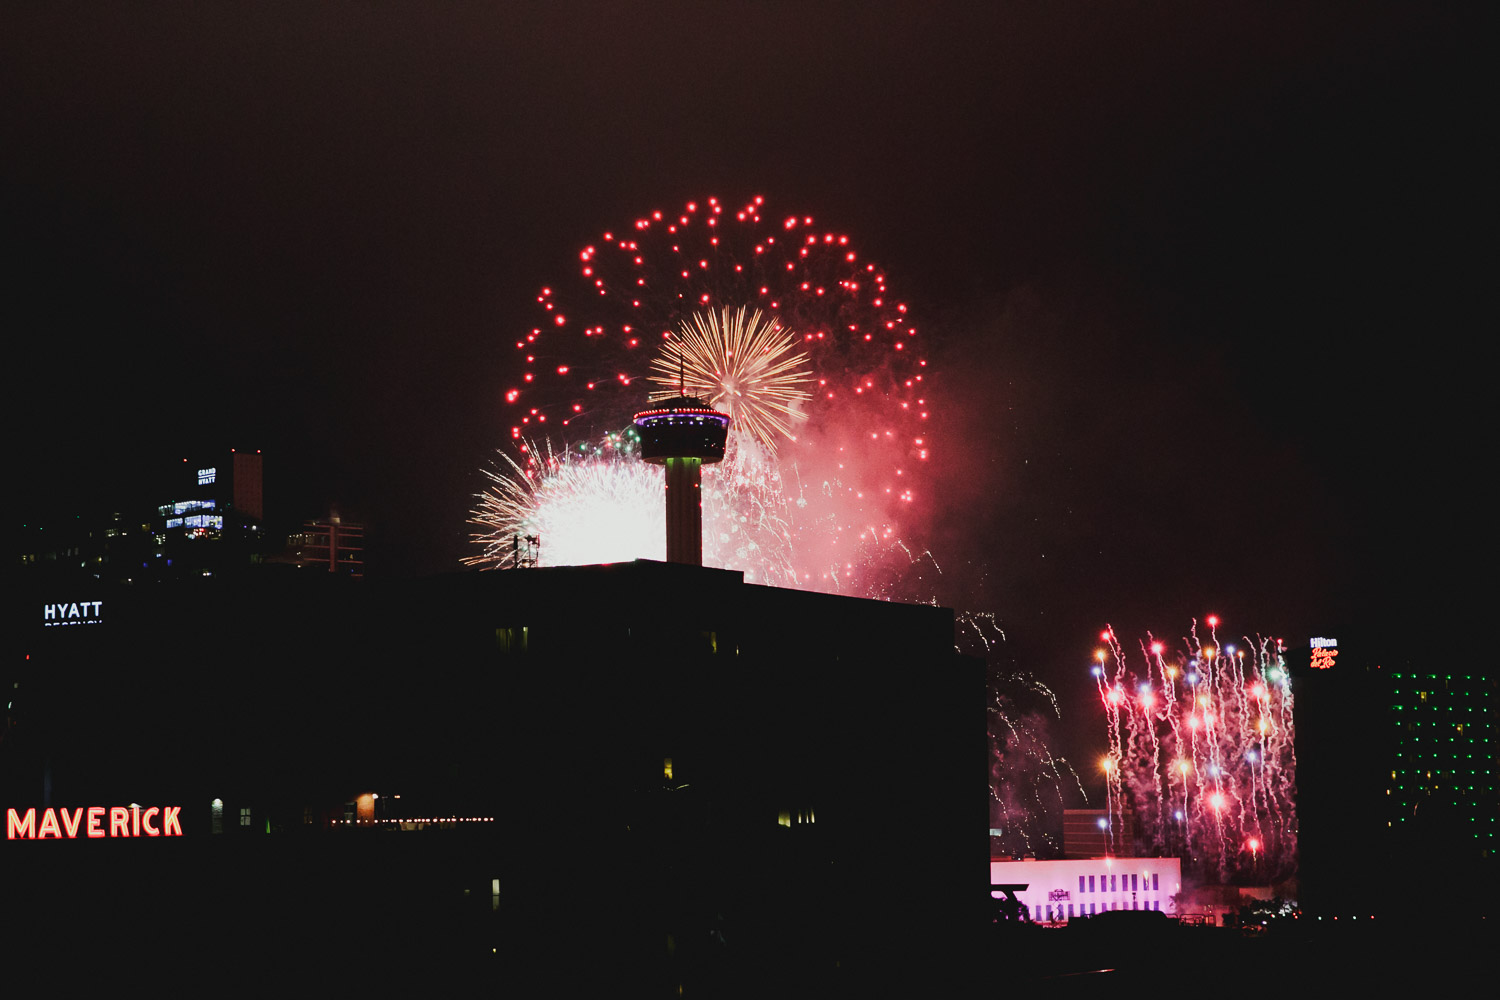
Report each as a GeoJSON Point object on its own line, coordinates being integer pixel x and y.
{"type": "Point", "coordinates": [1115, 883]}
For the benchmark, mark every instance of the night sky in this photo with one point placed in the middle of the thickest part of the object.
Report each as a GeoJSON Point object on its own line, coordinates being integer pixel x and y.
{"type": "Point", "coordinates": [1201, 282]}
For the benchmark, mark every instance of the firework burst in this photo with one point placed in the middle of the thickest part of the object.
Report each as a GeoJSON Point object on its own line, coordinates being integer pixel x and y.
{"type": "Point", "coordinates": [747, 366]}
{"type": "Point", "coordinates": [782, 324]}
{"type": "Point", "coordinates": [1201, 751]}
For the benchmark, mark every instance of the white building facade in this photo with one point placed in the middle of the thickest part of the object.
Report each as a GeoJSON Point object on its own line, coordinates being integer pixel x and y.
{"type": "Point", "coordinates": [1058, 890]}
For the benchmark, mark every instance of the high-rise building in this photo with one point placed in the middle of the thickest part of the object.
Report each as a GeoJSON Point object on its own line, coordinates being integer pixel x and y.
{"type": "Point", "coordinates": [1442, 783]}
{"type": "Point", "coordinates": [212, 521]}
{"type": "Point", "coordinates": [1396, 761]}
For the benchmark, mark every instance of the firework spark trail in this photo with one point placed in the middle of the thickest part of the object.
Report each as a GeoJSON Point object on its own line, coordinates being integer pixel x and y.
{"type": "Point", "coordinates": [1148, 700]}
{"type": "Point", "coordinates": [1027, 781]}
{"type": "Point", "coordinates": [1111, 694]}
{"type": "Point", "coordinates": [1224, 731]}
{"type": "Point", "coordinates": [975, 622]}
{"type": "Point", "coordinates": [1021, 761]}
{"type": "Point", "coordinates": [1152, 711]}
{"type": "Point", "coordinates": [1179, 764]}
{"type": "Point", "coordinates": [793, 332]}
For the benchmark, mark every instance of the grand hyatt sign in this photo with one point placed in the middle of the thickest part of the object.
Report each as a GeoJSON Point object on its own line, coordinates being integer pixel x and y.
{"type": "Point", "coordinates": [93, 822]}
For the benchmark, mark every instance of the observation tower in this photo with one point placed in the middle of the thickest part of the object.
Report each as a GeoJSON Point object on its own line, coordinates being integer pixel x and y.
{"type": "Point", "coordinates": [682, 433]}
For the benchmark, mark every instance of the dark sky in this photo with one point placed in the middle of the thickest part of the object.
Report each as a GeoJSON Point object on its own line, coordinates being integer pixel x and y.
{"type": "Point", "coordinates": [1202, 280]}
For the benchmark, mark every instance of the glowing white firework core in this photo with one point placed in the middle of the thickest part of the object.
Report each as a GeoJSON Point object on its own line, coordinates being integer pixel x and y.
{"type": "Point", "coordinates": [584, 510]}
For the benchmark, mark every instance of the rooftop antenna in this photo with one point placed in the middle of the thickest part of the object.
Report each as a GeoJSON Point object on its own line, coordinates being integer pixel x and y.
{"type": "Point", "coordinates": [532, 554]}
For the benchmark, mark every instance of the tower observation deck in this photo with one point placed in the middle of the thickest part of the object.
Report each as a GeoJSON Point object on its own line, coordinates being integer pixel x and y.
{"type": "Point", "coordinates": [682, 433]}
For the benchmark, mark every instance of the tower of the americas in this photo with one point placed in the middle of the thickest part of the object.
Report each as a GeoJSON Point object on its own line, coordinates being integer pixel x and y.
{"type": "Point", "coordinates": [682, 433]}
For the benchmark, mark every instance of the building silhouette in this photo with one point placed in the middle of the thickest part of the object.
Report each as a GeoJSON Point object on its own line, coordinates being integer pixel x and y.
{"type": "Point", "coordinates": [646, 774]}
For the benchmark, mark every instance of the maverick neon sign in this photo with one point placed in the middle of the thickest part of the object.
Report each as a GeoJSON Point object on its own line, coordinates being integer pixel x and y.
{"type": "Point", "coordinates": [94, 822]}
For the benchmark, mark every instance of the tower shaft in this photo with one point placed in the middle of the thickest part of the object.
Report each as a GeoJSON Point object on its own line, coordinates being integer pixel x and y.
{"type": "Point", "coordinates": [685, 511]}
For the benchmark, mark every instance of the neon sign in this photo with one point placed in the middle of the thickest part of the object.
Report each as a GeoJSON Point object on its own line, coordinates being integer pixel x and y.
{"type": "Point", "coordinates": [71, 613]}
{"type": "Point", "coordinates": [1324, 652]}
{"type": "Point", "coordinates": [123, 821]}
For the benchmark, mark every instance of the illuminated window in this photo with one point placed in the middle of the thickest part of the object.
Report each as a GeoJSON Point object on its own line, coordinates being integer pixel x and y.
{"type": "Point", "coordinates": [1155, 883]}
{"type": "Point", "coordinates": [1080, 883]}
{"type": "Point", "coordinates": [1135, 882]}
{"type": "Point", "coordinates": [513, 640]}
{"type": "Point", "coordinates": [244, 816]}
{"type": "Point", "coordinates": [1091, 883]}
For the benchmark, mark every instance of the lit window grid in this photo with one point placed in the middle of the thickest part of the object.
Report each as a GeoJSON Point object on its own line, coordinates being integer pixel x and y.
{"type": "Point", "coordinates": [1439, 695]}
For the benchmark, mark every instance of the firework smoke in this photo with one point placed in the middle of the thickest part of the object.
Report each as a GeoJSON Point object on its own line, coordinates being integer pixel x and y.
{"type": "Point", "coordinates": [1028, 784]}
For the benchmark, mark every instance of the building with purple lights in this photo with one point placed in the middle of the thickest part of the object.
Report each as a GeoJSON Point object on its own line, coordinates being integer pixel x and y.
{"type": "Point", "coordinates": [1059, 891]}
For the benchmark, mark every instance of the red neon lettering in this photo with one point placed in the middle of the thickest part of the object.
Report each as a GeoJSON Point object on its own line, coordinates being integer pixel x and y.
{"type": "Point", "coordinates": [119, 822]}
{"type": "Point", "coordinates": [124, 821]}
{"type": "Point", "coordinates": [49, 822]}
{"type": "Point", "coordinates": [71, 829]}
{"type": "Point", "coordinates": [16, 826]}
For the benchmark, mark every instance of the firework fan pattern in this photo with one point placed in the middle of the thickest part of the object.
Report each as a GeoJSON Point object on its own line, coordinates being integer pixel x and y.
{"type": "Point", "coordinates": [780, 323]}
{"type": "Point", "coordinates": [1201, 752]}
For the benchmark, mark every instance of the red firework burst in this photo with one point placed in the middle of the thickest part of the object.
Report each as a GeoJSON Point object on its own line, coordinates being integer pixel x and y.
{"type": "Point", "coordinates": [586, 361]}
